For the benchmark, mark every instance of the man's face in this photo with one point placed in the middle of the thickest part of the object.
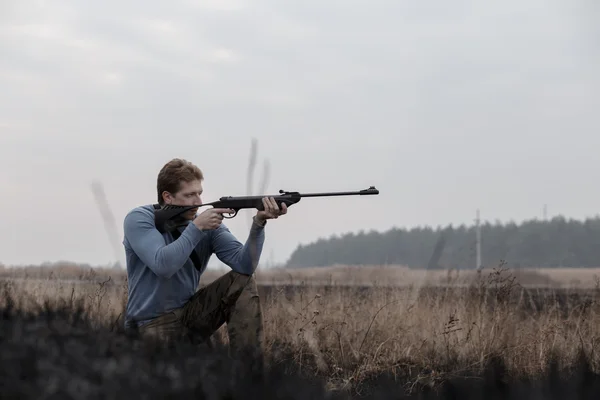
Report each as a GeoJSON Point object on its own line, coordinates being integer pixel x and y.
{"type": "Point", "coordinates": [189, 194]}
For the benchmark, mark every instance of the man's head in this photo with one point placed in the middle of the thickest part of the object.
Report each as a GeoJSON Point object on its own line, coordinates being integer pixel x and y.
{"type": "Point", "coordinates": [180, 183]}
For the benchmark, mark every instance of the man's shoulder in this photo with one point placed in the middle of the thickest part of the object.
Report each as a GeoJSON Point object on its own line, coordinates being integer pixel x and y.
{"type": "Point", "coordinates": [143, 212]}
{"type": "Point", "coordinates": [145, 209]}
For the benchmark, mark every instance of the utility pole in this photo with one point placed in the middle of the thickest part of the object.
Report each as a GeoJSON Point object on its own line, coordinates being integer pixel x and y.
{"type": "Point", "coordinates": [478, 239]}
{"type": "Point", "coordinates": [545, 212]}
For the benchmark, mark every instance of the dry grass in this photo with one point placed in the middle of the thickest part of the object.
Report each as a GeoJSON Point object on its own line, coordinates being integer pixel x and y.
{"type": "Point", "coordinates": [375, 275]}
{"type": "Point", "coordinates": [399, 322]}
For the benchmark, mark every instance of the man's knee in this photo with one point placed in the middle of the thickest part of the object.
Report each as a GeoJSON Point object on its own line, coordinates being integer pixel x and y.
{"type": "Point", "coordinates": [247, 287]}
{"type": "Point", "coordinates": [238, 275]}
{"type": "Point", "coordinates": [241, 286]}
{"type": "Point", "coordinates": [248, 282]}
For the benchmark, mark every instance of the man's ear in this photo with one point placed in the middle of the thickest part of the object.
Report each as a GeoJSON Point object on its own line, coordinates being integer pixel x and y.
{"type": "Point", "coordinates": [167, 197]}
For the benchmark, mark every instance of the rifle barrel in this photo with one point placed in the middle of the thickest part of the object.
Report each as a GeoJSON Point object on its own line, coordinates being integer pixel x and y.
{"type": "Point", "coordinates": [364, 192]}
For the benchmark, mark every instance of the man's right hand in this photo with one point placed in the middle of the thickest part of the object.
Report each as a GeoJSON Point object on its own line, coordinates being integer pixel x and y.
{"type": "Point", "coordinates": [211, 218]}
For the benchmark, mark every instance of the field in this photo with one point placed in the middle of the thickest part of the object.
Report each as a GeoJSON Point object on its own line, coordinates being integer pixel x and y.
{"type": "Point", "coordinates": [346, 331]}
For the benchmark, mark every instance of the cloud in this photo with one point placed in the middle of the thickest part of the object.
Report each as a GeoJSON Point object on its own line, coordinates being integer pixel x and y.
{"type": "Point", "coordinates": [223, 55]}
{"type": "Point", "coordinates": [428, 101]}
{"type": "Point", "coordinates": [216, 5]}
{"type": "Point", "coordinates": [14, 126]}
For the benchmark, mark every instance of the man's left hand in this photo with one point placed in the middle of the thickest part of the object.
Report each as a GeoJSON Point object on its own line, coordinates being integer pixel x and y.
{"type": "Point", "coordinates": [271, 211]}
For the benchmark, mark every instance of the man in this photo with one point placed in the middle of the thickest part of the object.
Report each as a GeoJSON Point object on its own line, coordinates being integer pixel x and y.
{"type": "Point", "coordinates": [162, 299]}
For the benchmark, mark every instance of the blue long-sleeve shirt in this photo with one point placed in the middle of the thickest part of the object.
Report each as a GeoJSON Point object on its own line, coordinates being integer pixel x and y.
{"type": "Point", "coordinates": [161, 276]}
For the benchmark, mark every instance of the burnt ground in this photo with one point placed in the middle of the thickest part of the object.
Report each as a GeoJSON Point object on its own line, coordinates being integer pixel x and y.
{"type": "Point", "coordinates": [55, 353]}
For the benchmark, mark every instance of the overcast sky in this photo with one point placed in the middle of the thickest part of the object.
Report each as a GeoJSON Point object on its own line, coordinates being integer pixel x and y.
{"type": "Point", "coordinates": [446, 107]}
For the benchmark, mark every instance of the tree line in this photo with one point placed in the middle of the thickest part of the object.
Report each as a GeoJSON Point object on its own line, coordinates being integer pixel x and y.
{"type": "Point", "coordinates": [552, 243]}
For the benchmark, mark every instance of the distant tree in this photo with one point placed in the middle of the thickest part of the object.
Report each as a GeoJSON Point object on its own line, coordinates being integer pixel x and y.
{"type": "Point", "coordinates": [555, 243]}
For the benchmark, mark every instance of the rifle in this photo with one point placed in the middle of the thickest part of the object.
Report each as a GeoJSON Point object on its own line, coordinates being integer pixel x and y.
{"type": "Point", "coordinates": [166, 216]}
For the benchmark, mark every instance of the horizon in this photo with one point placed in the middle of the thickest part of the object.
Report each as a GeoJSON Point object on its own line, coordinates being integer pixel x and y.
{"type": "Point", "coordinates": [216, 264]}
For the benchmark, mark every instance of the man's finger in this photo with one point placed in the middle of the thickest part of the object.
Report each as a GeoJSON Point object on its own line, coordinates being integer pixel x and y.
{"type": "Point", "coordinates": [223, 210]}
{"type": "Point", "coordinates": [273, 204]}
{"type": "Point", "coordinates": [266, 204]}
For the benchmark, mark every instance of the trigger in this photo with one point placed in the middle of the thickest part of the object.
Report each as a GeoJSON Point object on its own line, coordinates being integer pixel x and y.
{"type": "Point", "coordinates": [234, 214]}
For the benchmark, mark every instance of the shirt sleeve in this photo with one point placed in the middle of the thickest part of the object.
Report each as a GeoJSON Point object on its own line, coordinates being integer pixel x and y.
{"type": "Point", "coordinates": [149, 244]}
{"type": "Point", "coordinates": [240, 258]}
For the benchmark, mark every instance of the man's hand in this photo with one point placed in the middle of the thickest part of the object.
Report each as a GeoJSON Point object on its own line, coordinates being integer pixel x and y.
{"type": "Point", "coordinates": [271, 211]}
{"type": "Point", "coordinates": [211, 218]}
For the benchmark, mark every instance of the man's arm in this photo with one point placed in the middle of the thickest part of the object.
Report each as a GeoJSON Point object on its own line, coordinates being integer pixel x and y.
{"type": "Point", "coordinates": [149, 244]}
{"type": "Point", "coordinates": [240, 258]}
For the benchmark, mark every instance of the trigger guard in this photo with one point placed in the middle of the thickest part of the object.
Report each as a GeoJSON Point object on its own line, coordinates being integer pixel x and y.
{"type": "Point", "coordinates": [234, 214]}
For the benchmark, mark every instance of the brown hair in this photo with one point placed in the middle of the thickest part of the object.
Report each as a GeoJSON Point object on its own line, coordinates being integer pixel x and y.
{"type": "Point", "coordinates": [173, 173]}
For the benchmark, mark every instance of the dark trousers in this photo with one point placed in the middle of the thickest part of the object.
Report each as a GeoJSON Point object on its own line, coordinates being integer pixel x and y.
{"type": "Point", "coordinates": [232, 298]}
